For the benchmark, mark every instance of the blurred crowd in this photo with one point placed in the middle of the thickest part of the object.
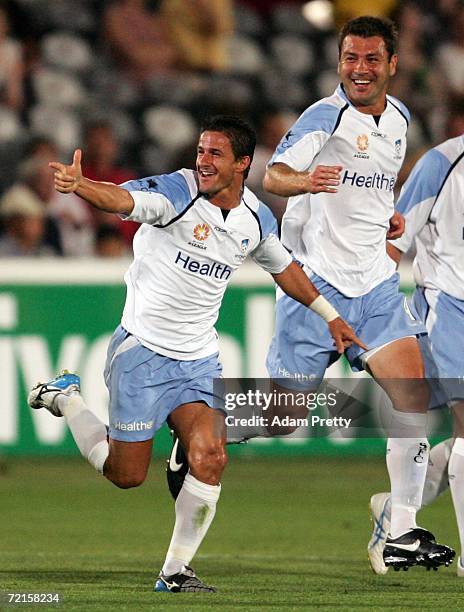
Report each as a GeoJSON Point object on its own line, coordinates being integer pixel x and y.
{"type": "Point", "coordinates": [129, 81]}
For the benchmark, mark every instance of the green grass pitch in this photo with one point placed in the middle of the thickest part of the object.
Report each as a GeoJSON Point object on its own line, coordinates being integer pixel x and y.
{"type": "Point", "coordinates": [289, 534]}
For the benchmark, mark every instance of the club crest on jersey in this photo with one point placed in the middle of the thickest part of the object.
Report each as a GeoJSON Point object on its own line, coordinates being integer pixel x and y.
{"type": "Point", "coordinates": [244, 246]}
{"type": "Point", "coordinates": [201, 231]}
{"type": "Point", "coordinates": [362, 142]}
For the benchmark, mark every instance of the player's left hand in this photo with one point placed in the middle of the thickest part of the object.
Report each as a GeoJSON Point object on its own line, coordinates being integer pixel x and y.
{"type": "Point", "coordinates": [397, 225]}
{"type": "Point", "coordinates": [343, 335]}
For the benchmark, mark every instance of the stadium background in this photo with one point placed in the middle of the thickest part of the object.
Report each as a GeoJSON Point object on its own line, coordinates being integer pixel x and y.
{"type": "Point", "coordinates": [67, 71]}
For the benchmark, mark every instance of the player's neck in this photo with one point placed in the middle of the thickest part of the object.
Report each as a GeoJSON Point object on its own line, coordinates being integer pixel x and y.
{"type": "Point", "coordinates": [227, 198]}
{"type": "Point", "coordinates": [372, 109]}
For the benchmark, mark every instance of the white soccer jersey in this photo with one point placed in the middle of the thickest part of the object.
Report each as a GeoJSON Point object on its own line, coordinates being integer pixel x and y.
{"type": "Point", "coordinates": [184, 255]}
{"type": "Point", "coordinates": [341, 236]}
{"type": "Point", "coordinates": [432, 201]}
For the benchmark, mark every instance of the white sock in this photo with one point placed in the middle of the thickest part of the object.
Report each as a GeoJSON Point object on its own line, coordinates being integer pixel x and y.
{"type": "Point", "coordinates": [407, 460]}
{"type": "Point", "coordinates": [195, 510]}
{"type": "Point", "coordinates": [456, 482]}
{"type": "Point", "coordinates": [88, 431]}
{"type": "Point", "coordinates": [436, 480]}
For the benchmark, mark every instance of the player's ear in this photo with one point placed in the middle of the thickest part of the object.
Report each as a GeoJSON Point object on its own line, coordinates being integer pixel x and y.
{"type": "Point", "coordinates": [243, 163]}
{"type": "Point", "coordinates": [393, 63]}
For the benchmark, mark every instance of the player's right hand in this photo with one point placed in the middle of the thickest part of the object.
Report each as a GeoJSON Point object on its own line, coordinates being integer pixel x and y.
{"type": "Point", "coordinates": [324, 179]}
{"type": "Point", "coordinates": [343, 335]}
{"type": "Point", "coordinates": [68, 178]}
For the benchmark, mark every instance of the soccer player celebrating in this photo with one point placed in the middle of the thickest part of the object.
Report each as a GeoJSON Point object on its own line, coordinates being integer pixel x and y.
{"type": "Point", "coordinates": [432, 202]}
{"type": "Point", "coordinates": [338, 164]}
{"type": "Point", "coordinates": [197, 227]}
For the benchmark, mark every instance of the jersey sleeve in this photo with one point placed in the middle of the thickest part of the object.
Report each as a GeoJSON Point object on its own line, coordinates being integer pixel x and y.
{"type": "Point", "coordinates": [158, 199]}
{"type": "Point", "coordinates": [306, 137]}
{"type": "Point", "coordinates": [419, 193]}
{"type": "Point", "coordinates": [270, 253]}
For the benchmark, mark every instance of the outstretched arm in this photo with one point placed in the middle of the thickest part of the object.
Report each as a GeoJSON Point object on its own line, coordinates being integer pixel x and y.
{"type": "Point", "coordinates": [286, 182]}
{"type": "Point", "coordinates": [104, 196]}
{"type": "Point", "coordinates": [297, 285]}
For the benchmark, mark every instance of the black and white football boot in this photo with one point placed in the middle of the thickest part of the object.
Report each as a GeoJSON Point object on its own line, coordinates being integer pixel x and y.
{"type": "Point", "coordinates": [184, 582]}
{"type": "Point", "coordinates": [416, 547]}
{"type": "Point", "coordinates": [177, 467]}
{"type": "Point", "coordinates": [44, 395]}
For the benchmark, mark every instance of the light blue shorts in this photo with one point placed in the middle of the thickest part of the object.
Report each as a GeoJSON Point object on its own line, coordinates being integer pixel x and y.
{"type": "Point", "coordinates": [146, 387]}
{"type": "Point", "coordinates": [302, 347]}
{"type": "Point", "coordinates": [443, 316]}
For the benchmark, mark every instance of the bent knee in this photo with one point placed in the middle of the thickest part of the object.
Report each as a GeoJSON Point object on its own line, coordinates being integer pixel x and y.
{"type": "Point", "coordinates": [126, 481]}
{"type": "Point", "coordinates": [211, 457]}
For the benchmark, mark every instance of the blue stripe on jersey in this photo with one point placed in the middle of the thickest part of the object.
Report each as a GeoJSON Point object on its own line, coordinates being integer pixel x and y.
{"type": "Point", "coordinates": [173, 186]}
{"type": "Point", "coordinates": [425, 180]}
{"type": "Point", "coordinates": [317, 118]}
{"type": "Point", "coordinates": [267, 221]}
{"type": "Point", "coordinates": [400, 107]}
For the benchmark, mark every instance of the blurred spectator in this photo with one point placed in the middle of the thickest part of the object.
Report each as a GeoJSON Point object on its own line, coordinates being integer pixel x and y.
{"type": "Point", "coordinates": [199, 29]}
{"type": "Point", "coordinates": [451, 54]}
{"type": "Point", "coordinates": [11, 66]}
{"type": "Point", "coordinates": [138, 40]}
{"type": "Point", "coordinates": [71, 214]}
{"type": "Point", "coordinates": [101, 153]}
{"type": "Point", "coordinates": [455, 118]}
{"type": "Point", "coordinates": [41, 147]}
{"type": "Point", "coordinates": [99, 163]}
{"type": "Point", "coordinates": [274, 123]}
{"type": "Point", "coordinates": [417, 81]}
{"type": "Point", "coordinates": [110, 242]}
{"type": "Point", "coordinates": [24, 227]}
{"type": "Point", "coordinates": [26, 231]}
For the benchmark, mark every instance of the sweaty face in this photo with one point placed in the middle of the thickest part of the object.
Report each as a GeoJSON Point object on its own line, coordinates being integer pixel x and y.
{"type": "Point", "coordinates": [365, 71]}
{"type": "Point", "coordinates": [216, 164]}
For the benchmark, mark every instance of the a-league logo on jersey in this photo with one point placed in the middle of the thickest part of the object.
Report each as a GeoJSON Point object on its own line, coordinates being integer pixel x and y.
{"type": "Point", "coordinates": [201, 231]}
{"type": "Point", "coordinates": [398, 148]}
{"type": "Point", "coordinates": [363, 142]}
{"type": "Point", "coordinates": [244, 245]}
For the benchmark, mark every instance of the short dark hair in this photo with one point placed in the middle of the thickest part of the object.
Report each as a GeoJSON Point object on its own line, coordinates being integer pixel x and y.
{"type": "Point", "coordinates": [241, 135]}
{"type": "Point", "coordinates": [367, 26]}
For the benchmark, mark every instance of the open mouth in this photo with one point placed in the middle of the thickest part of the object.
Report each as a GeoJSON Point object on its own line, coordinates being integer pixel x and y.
{"type": "Point", "coordinates": [361, 83]}
{"type": "Point", "coordinates": [206, 173]}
